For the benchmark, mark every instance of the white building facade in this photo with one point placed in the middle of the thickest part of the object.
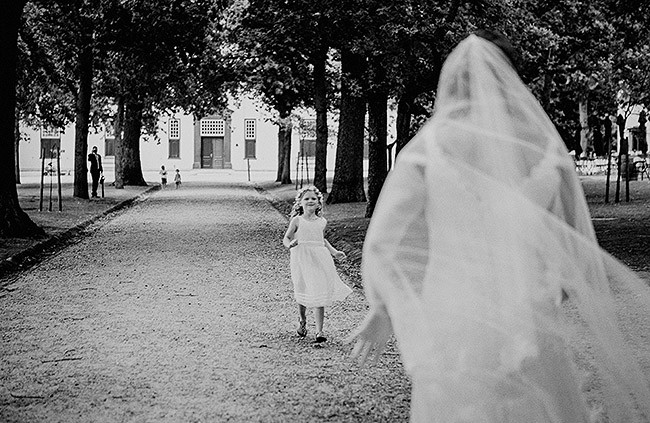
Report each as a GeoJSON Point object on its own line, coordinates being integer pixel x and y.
{"type": "Point", "coordinates": [242, 139]}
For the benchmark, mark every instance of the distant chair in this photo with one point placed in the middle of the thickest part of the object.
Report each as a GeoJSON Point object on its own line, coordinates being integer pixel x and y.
{"type": "Point", "coordinates": [642, 166]}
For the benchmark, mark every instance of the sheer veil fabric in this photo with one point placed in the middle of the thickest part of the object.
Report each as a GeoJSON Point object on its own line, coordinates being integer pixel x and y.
{"type": "Point", "coordinates": [479, 230]}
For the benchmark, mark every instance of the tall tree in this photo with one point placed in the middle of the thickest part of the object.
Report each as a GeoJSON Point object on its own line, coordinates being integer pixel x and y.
{"type": "Point", "coordinates": [128, 150]}
{"type": "Point", "coordinates": [118, 128]}
{"type": "Point", "coordinates": [631, 61]}
{"type": "Point", "coordinates": [14, 222]}
{"type": "Point", "coordinates": [377, 144]}
{"type": "Point", "coordinates": [348, 183]}
{"type": "Point", "coordinates": [350, 23]}
{"type": "Point", "coordinates": [573, 44]}
{"type": "Point", "coordinates": [158, 63]}
{"type": "Point", "coordinates": [382, 80]}
{"type": "Point", "coordinates": [317, 18]}
{"type": "Point", "coordinates": [422, 45]}
{"type": "Point", "coordinates": [62, 37]}
{"type": "Point", "coordinates": [321, 107]}
{"type": "Point", "coordinates": [411, 41]}
{"type": "Point", "coordinates": [82, 121]}
{"type": "Point", "coordinates": [269, 51]}
{"type": "Point", "coordinates": [44, 97]}
{"type": "Point", "coordinates": [317, 42]}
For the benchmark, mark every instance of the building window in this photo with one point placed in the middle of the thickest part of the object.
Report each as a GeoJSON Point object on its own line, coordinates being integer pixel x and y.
{"type": "Point", "coordinates": [250, 149]}
{"type": "Point", "coordinates": [109, 139]}
{"type": "Point", "coordinates": [50, 132]}
{"type": "Point", "coordinates": [250, 138]}
{"type": "Point", "coordinates": [109, 147]}
{"type": "Point", "coordinates": [174, 139]}
{"type": "Point", "coordinates": [174, 129]}
{"type": "Point", "coordinates": [249, 129]}
{"type": "Point", "coordinates": [50, 142]}
{"type": "Point", "coordinates": [213, 127]}
{"type": "Point", "coordinates": [174, 149]}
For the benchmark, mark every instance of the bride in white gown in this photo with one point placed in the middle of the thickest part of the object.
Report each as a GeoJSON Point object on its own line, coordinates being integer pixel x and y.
{"type": "Point", "coordinates": [480, 233]}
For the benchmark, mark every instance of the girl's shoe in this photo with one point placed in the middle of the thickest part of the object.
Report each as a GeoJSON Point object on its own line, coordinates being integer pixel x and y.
{"type": "Point", "coordinates": [320, 337]}
{"type": "Point", "coordinates": [302, 329]}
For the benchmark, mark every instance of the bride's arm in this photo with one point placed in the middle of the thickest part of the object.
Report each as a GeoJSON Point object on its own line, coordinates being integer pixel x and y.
{"type": "Point", "coordinates": [372, 335]}
{"type": "Point", "coordinates": [398, 221]}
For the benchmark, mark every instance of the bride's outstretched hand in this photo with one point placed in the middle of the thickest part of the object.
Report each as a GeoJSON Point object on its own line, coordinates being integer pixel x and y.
{"type": "Point", "coordinates": [371, 336]}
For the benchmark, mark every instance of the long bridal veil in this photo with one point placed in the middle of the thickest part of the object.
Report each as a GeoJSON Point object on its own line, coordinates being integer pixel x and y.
{"type": "Point", "coordinates": [481, 233]}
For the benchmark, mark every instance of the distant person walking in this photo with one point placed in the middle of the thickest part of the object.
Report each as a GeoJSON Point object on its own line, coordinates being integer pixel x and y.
{"type": "Point", "coordinates": [316, 283]}
{"type": "Point", "coordinates": [163, 177]}
{"type": "Point", "coordinates": [177, 179]}
{"type": "Point", "coordinates": [96, 170]}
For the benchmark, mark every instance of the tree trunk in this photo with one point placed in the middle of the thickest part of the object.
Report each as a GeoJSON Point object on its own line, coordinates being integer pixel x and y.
{"type": "Point", "coordinates": [584, 125]}
{"type": "Point", "coordinates": [118, 125]}
{"type": "Point", "coordinates": [377, 155]}
{"type": "Point", "coordinates": [608, 150]}
{"type": "Point", "coordinates": [348, 186]}
{"type": "Point", "coordinates": [320, 104]}
{"type": "Point", "coordinates": [622, 149]}
{"type": "Point", "coordinates": [597, 136]}
{"type": "Point", "coordinates": [403, 124]}
{"type": "Point", "coordinates": [14, 222]}
{"type": "Point", "coordinates": [284, 144]}
{"type": "Point", "coordinates": [643, 142]}
{"type": "Point", "coordinates": [82, 121]}
{"type": "Point", "coordinates": [17, 150]}
{"type": "Point", "coordinates": [281, 152]}
{"type": "Point", "coordinates": [547, 90]}
{"type": "Point", "coordinates": [131, 167]}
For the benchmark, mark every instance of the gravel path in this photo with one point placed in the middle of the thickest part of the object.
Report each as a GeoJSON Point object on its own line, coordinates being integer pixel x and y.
{"type": "Point", "coordinates": [181, 309]}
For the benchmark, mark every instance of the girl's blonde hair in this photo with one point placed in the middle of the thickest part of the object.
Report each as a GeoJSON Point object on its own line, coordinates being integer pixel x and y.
{"type": "Point", "coordinates": [297, 210]}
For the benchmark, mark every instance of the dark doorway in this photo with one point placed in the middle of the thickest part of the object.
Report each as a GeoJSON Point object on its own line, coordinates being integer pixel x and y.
{"type": "Point", "coordinates": [206, 152]}
{"type": "Point", "coordinates": [218, 153]}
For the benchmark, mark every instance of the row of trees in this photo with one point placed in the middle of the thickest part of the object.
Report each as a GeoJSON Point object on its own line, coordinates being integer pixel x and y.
{"type": "Point", "coordinates": [78, 59]}
{"type": "Point", "coordinates": [94, 62]}
{"type": "Point", "coordinates": [582, 59]}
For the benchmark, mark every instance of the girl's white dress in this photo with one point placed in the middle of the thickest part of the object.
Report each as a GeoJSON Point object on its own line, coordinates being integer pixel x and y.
{"type": "Point", "coordinates": [315, 280]}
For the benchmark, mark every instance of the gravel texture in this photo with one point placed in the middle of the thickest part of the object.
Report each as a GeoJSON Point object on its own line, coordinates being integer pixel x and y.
{"type": "Point", "coordinates": [181, 309]}
{"type": "Point", "coordinates": [61, 227]}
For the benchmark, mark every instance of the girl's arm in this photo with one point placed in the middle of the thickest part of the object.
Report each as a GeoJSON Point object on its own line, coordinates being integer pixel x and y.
{"type": "Point", "coordinates": [289, 241]}
{"type": "Point", "coordinates": [333, 251]}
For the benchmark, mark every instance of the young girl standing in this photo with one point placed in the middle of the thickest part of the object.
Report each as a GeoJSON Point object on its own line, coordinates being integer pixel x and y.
{"type": "Point", "coordinates": [163, 177]}
{"type": "Point", "coordinates": [315, 281]}
{"type": "Point", "coordinates": [177, 178]}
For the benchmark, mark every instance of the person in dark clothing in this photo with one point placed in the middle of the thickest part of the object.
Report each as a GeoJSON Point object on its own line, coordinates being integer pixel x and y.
{"type": "Point", "coordinates": [96, 169]}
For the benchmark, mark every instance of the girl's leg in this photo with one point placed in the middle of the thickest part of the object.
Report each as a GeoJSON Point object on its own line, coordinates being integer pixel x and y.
{"type": "Point", "coordinates": [302, 310]}
{"type": "Point", "coordinates": [302, 328]}
{"type": "Point", "coordinates": [320, 316]}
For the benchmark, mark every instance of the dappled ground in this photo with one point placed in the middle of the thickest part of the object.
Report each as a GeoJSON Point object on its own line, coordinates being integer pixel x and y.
{"type": "Point", "coordinates": [60, 227]}
{"type": "Point", "coordinates": [622, 228]}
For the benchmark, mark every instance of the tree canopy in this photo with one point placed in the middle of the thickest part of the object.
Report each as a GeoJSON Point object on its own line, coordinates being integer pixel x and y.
{"type": "Point", "coordinates": [127, 62]}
